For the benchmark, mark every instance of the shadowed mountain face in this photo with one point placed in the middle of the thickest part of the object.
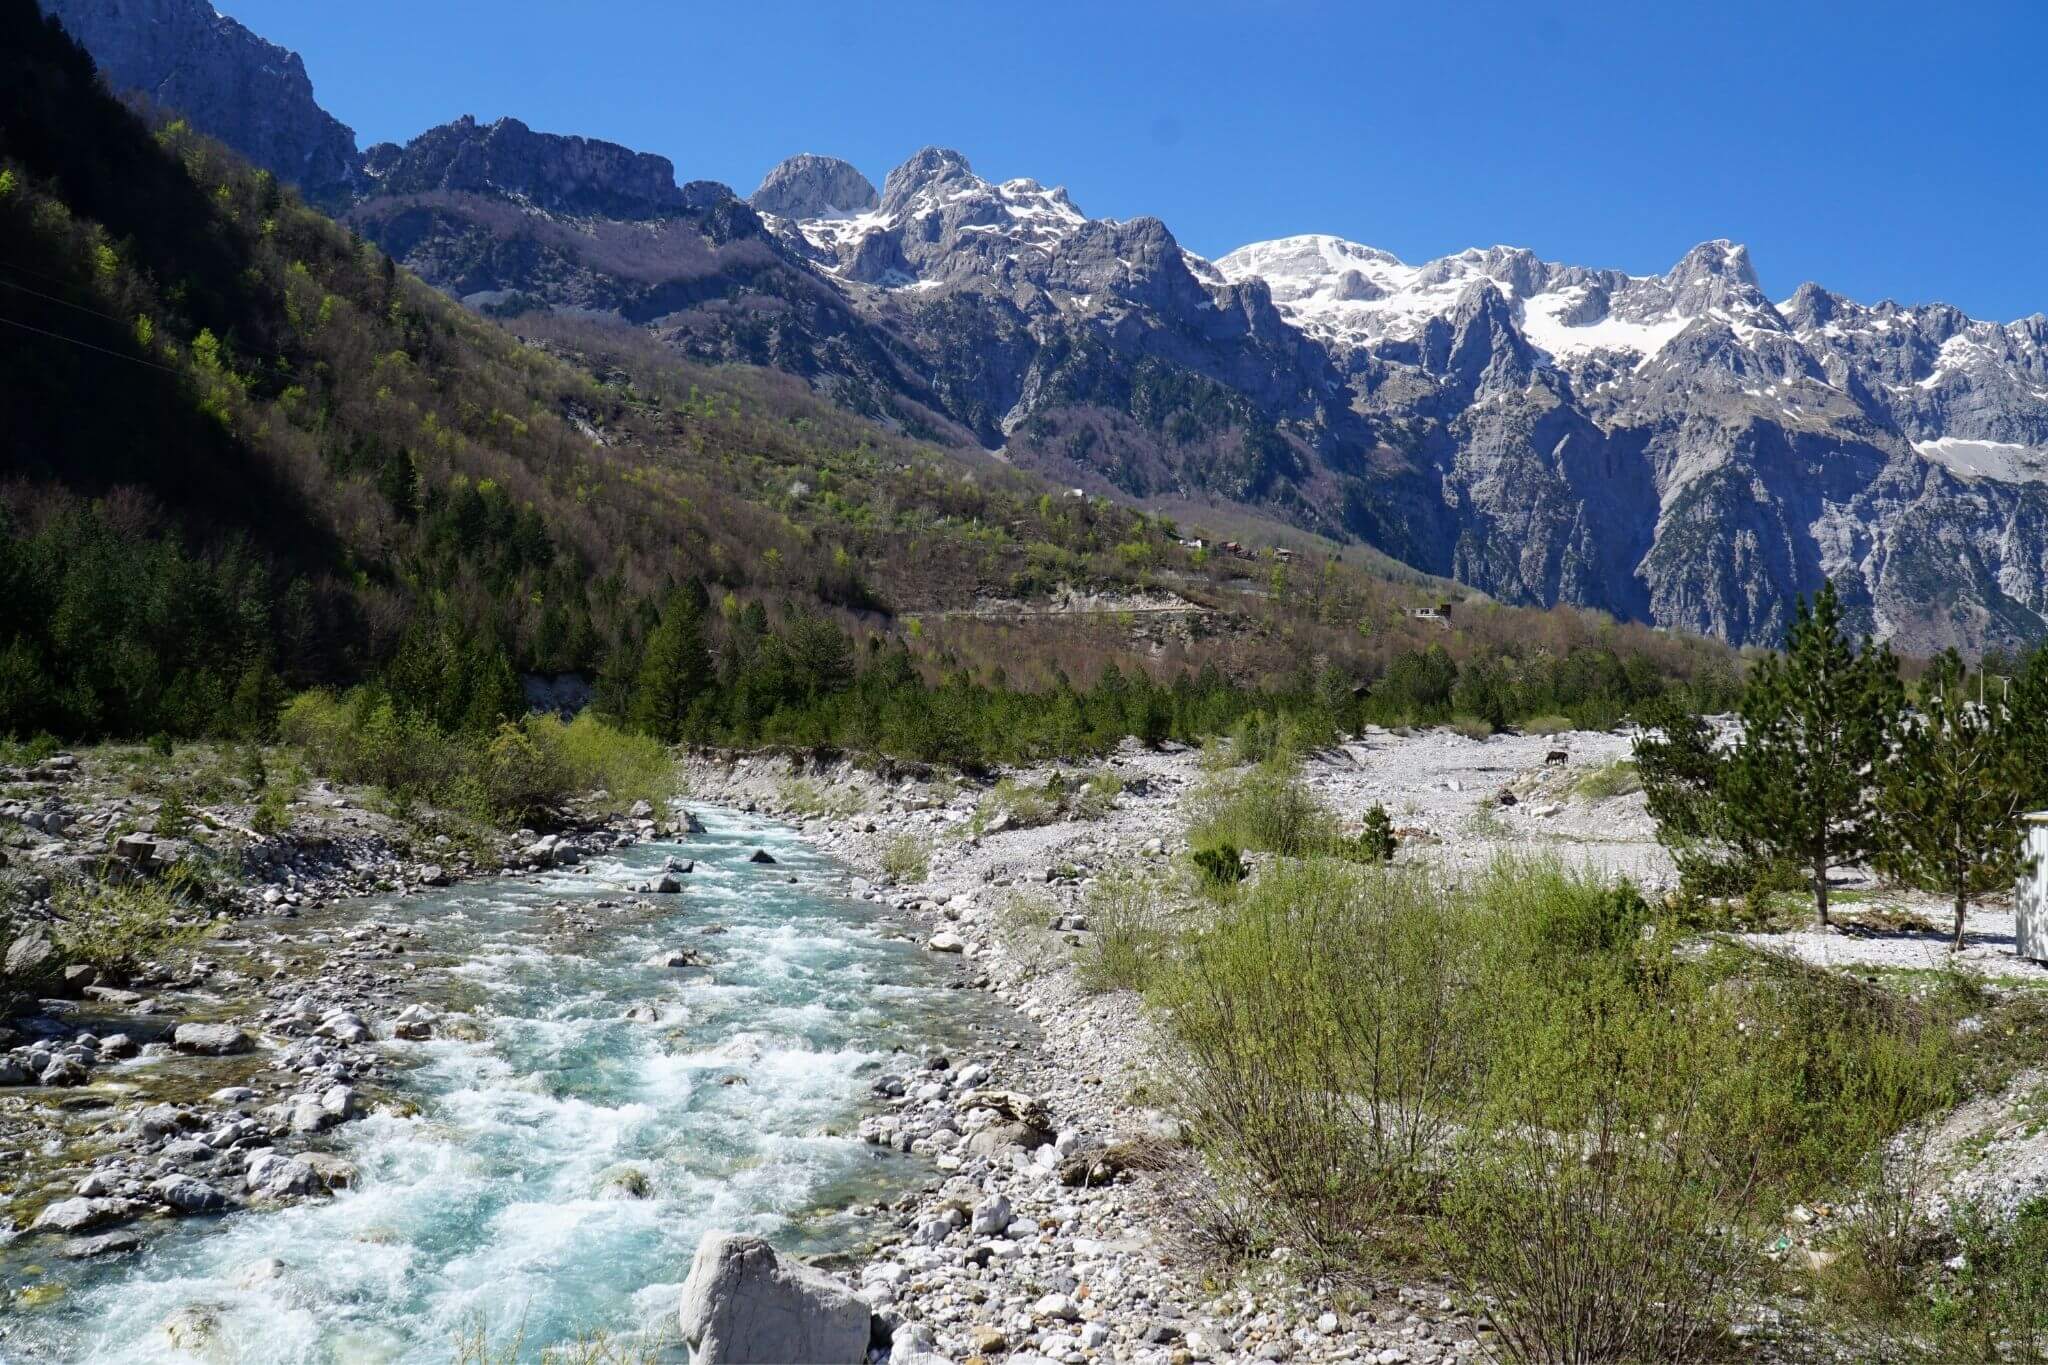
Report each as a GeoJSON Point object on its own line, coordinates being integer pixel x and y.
{"type": "Point", "coordinates": [251, 94]}
{"type": "Point", "coordinates": [1676, 448]}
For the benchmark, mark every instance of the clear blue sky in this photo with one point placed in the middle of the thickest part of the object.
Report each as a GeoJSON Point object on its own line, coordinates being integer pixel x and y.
{"type": "Point", "coordinates": [1884, 149]}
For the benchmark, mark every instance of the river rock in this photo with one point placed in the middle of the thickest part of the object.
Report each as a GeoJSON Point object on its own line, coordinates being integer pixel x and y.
{"type": "Point", "coordinates": [991, 1217]}
{"type": "Point", "coordinates": [212, 1040]}
{"type": "Point", "coordinates": [997, 1136]}
{"type": "Point", "coordinates": [30, 955]}
{"type": "Point", "coordinates": [189, 1195]}
{"type": "Point", "coordinates": [77, 1215]}
{"type": "Point", "coordinates": [946, 941]}
{"type": "Point", "coordinates": [192, 1327]}
{"type": "Point", "coordinates": [667, 884]}
{"type": "Point", "coordinates": [761, 855]}
{"type": "Point", "coordinates": [64, 1071]}
{"type": "Point", "coordinates": [273, 1176]}
{"type": "Point", "coordinates": [336, 1173]}
{"type": "Point", "coordinates": [14, 1071]}
{"type": "Point", "coordinates": [742, 1303]}
{"type": "Point", "coordinates": [105, 1244]}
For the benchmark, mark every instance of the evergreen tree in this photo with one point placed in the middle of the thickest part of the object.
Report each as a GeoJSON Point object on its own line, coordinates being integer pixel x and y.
{"type": "Point", "coordinates": [1816, 724]}
{"type": "Point", "coordinates": [675, 669]}
{"type": "Point", "coordinates": [1954, 789]}
{"type": "Point", "coordinates": [1376, 842]}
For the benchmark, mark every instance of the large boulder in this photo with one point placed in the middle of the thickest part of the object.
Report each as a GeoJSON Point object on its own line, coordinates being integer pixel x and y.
{"type": "Point", "coordinates": [744, 1304]}
{"type": "Point", "coordinates": [30, 958]}
{"type": "Point", "coordinates": [212, 1040]}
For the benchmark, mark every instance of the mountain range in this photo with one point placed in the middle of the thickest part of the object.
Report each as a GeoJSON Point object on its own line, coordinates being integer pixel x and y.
{"type": "Point", "coordinates": [1679, 449]}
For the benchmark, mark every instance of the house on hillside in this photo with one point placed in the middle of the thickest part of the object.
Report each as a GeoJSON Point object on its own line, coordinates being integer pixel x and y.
{"type": "Point", "coordinates": [1440, 614]}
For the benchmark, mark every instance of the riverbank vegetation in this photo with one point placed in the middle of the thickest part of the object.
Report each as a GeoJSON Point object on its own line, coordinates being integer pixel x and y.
{"type": "Point", "coordinates": [1538, 1081]}
{"type": "Point", "coordinates": [1839, 764]}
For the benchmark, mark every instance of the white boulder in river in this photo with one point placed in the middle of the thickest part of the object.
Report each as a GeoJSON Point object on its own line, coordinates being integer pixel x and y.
{"type": "Point", "coordinates": [744, 1305]}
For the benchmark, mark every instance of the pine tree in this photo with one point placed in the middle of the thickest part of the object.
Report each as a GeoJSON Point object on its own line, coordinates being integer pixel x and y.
{"type": "Point", "coordinates": [1816, 724]}
{"type": "Point", "coordinates": [675, 669]}
{"type": "Point", "coordinates": [1954, 789]}
{"type": "Point", "coordinates": [1376, 841]}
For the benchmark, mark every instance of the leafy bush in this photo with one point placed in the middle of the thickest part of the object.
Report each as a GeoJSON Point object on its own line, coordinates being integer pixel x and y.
{"type": "Point", "coordinates": [1317, 1014]}
{"type": "Point", "coordinates": [1585, 1125]}
{"type": "Point", "coordinates": [1127, 932]}
{"type": "Point", "coordinates": [1026, 806]}
{"type": "Point", "coordinates": [1097, 796]}
{"type": "Point", "coordinates": [802, 796]}
{"type": "Point", "coordinates": [1268, 809]}
{"type": "Point", "coordinates": [1547, 725]}
{"type": "Point", "coordinates": [599, 757]}
{"type": "Point", "coordinates": [273, 811]}
{"type": "Point", "coordinates": [1220, 866]}
{"type": "Point", "coordinates": [516, 775]}
{"type": "Point", "coordinates": [905, 860]}
{"type": "Point", "coordinates": [1471, 727]}
{"type": "Point", "coordinates": [1995, 1305]}
{"type": "Point", "coordinates": [120, 926]}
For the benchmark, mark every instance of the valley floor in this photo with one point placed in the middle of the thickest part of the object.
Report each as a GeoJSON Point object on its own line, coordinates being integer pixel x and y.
{"type": "Point", "coordinates": [1107, 1243]}
{"type": "Point", "coordinates": [1142, 1268]}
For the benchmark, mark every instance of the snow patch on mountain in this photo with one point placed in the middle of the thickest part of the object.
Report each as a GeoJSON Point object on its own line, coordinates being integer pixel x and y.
{"type": "Point", "coordinates": [2000, 460]}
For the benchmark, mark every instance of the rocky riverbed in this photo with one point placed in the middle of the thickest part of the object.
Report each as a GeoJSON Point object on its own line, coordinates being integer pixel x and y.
{"type": "Point", "coordinates": [1071, 1222]}
{"type": "Point", "coordinates": [1035, 1200]}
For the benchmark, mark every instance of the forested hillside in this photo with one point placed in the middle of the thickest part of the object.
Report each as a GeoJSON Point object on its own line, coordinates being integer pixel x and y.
{"type": "Point", "coordinates": [247, 455]}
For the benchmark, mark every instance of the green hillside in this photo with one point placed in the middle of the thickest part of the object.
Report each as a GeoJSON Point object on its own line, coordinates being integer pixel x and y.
{"type": "Point", "coordinates": [247, 456]}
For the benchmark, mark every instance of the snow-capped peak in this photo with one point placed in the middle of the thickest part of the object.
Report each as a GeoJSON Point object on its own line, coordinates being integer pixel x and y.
{"type": "Point", "coordinates": [1350, 294]}
{"type": "Point", "coordinates": [937, 218]}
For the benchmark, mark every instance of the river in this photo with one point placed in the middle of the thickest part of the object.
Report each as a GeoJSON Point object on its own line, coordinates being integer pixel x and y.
{"type": "Point", "coordinates": [503, 1205]}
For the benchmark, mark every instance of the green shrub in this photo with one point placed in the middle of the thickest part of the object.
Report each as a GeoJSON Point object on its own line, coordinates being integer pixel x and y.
{"type": "Point", "coordinates": [1317, 1016]}
{"type": "Point", "coordinates": [1026, 806]}
{"type": "Point", "coordinates": [118, 927]}
{"type": "Point", "coordinates": [174, 815]}
{"type": "Point", "coordinates": [1994, 1305]}
{"type": "Point", "coordinates": [1220, 866]}
{"type": "Point", "coordinates": [27, 752]}
{"type": "Point", "coordinates": [1097, 796]}
{"type": "Point", "coordinates": [629, 766]}
{"type": "Point", "coordinates": [1618, 778]}
{"type": "Point", "coordinates": [803, 796]}
{"type": "Point", "coordinates": [905, 860]}
{"type": "Point", "coordinates": [1547, 725]}
{"type": "Point", "coordinates": [522, 777]}
{"type": "Point", "coordinates": [1269, 810]}
{"type": "Point", "coordinates": [273, 811]}
{"type": "Point", "coordinates": [520, 773]}
{"type": "Point", "coordinates": [1471, 727]}
{"type": "Point", "coordinates": [1127, 932]}
{"type": "Point", "coordinates": [1587, 1126]}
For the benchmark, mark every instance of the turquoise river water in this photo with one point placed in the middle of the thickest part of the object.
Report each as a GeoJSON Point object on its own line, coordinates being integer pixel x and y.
{"type": "Point", "coordinates": [489, 1208]}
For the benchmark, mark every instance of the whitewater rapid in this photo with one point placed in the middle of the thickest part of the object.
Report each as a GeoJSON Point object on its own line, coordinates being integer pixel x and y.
{"type": "Point", "coordinates": [506, 1203]}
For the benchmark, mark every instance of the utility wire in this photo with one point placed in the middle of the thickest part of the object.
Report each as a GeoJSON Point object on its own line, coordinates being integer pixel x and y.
{"type": "Point", "coordinates": [61, 303]}
{"type": "Point", "coordinates": [59, 336]}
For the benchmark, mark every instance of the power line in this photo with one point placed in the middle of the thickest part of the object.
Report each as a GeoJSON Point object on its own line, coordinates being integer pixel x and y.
{"type": "Point", "coordinates": [59, 336]}
{"type": "Point", "coordinates": [61, 303]}
{"type": "Point", "coordinates": [64, 280]}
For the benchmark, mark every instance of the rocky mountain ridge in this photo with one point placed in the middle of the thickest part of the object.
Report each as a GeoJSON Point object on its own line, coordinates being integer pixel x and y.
{"type": "Point", "coordinates": [1677, 448]}
{"type": "Point", "coordinates": [250, 93]}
